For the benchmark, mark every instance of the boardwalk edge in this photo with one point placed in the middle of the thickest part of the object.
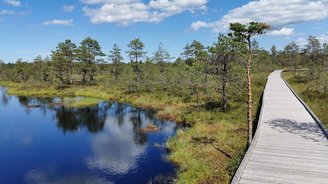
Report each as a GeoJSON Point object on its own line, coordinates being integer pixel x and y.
{"type": "Point", "coordinates": [307, 108]}
{"type": "Point", "coordinates": [243, 163]}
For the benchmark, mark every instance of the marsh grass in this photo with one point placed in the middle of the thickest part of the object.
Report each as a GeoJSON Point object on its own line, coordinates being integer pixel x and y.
{"type": "Point", "coordinates": [223, 137]}
{"type": "Point", "coordinates": [207, 152]}
{"type": "Point", "coordinates": [80, 101]}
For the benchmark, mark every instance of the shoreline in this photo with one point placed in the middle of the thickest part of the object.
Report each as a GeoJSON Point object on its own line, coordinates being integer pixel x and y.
{"type": "Point", "coordinates": [91, 92]}
{"type": "Point", "coordinates": [209, 151]}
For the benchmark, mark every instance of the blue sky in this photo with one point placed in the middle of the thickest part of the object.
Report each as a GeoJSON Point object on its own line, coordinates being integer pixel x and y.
{"type": "Point", "coordinates": [34, 27]}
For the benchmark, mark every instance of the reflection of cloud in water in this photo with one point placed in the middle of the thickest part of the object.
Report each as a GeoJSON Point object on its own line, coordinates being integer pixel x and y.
{"type": "Point", "coordinates": [40, 177]}
{"type": "Point", "coordinates": [27, 140]}
{"type": "Point", "coordinates": [115, 150]}
{"type": "Point", "coordinates": [167, 128]}
{"type": "Point", "coordinates": [17, 135]}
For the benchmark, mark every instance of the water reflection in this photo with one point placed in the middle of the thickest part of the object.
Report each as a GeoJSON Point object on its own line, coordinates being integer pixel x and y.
{"type": "Point", "coordinates": [69, 119]}
{"type": "Point", "coordinates": [120, 113]}
{"type": "Point", "coordinates": [102, 143]}
{"type": "Point", "coordinates": [110, 155]}
{"type": "Point", "coordinates": [135, 118]}
{"type": "Point", "coordinates": [42, 177]}
{"type": "Point", "coordinates": [4, 97]}
{"type": "Point", "coordinates": [72, 119]}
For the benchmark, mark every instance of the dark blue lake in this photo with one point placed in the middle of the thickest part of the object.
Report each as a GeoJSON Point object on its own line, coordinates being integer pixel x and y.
{"type": "Point", "coordinates": [97, 144]}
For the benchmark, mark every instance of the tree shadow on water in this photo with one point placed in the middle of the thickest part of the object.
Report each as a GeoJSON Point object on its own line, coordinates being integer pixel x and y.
{"type": "Point", "coordinates": [306, 130]}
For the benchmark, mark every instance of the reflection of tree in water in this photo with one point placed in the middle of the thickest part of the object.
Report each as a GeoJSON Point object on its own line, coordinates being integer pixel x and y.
{"type": "Point", "coordinates": [94, 117]}
{"type": "Point", "coordinates": [150, 114]}
{"type": "Point", "coordinates": [43, 102]}
{"type": "Point", "coordinates": [4, 98]}
{"type": "Point", "coordinates": [136, 120]}
{"type": "Point", "coordinates": [71, 119]}
{"type": "Point", "coordinates": [23, 100]}
{"type": "Point", "coordinates": [119, 112]}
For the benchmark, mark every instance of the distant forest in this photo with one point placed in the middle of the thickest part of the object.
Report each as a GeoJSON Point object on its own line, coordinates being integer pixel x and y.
{"type": "Point", "coordinates": [201, 74]}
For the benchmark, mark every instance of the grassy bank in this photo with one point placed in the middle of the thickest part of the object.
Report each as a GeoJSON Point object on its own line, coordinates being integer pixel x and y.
{"type": "Point", "coordinates": [317, 101]}
{"type": "Point", "coordinates": [208, 152]}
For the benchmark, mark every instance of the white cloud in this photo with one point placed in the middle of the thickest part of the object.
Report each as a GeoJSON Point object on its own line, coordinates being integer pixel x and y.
{"type": "Point", "coordinates": [125, 12]}
{"type": "Point", "coordinates": [195, 26]}
{"type": "Point", "coordinates": [277, 13]}
{"type": "Point", "coordinates": [6, 12]}
{"type": "Point", "coordinates": [282, 32]}
{"type": "Point", "coordinates": [323, 38]}
{"type": "Point", "coordinates": [13, 2]}
{"type": "Point", "coordinates": [59, 22]}
{"type": "Point", "coordinates": [177, 6]}
{"type": "Point", "coordinates": [301, 41]}
{"type": "Point", "coordinates": [59, 34]}
{"type": "Point", "coordinates": [68, 8]}
{"type": "Point", "coordinates": [107, 1]}
{"type": "Point", "coordinates": [122, 14]}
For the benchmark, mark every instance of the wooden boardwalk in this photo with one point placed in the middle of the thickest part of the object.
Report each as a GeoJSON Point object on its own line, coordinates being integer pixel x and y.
{"type": "Point", "coordinates": [289, 146]}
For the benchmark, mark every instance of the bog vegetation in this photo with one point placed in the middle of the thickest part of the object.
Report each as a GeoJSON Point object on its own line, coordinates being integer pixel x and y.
{"type": "Point", "coordinates": [206, 88]}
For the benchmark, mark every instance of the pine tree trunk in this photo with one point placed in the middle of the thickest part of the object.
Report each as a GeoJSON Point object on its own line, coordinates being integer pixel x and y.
{"type": "Point", "coordinates": [224, 96]}
{"type": "Point", "coordinates": [249, 94]}
{"type": "Point", "coordinates": [224, 83]}
{"type": "Point", "coordinates": [71, 75]}
{"type": "Point", "coordinates": [84, 73]}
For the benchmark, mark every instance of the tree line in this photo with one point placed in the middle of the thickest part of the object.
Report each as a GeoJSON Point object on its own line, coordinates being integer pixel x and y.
{"type": "Point", "coordinates": [202, 74]}
{"type": "Point", "coordinates": [309, 63]}
{"type": "Point", "coordinates": [197, 71]}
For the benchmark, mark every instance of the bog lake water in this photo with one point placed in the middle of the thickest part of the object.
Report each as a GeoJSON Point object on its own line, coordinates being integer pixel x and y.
{"type": "Point", "coordinates": [103, 143]}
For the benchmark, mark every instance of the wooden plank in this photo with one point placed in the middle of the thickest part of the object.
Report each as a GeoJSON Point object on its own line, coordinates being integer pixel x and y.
{"type": "Point", "coordinates": [295, 155]}
{"type": "Point", "coordinates": [252, 178]}
{"type": "Point", "coordinates": [288, 159]}
{"type": "Point", "coordinates": [293, 163]}
{"type": "Point", "coordinates": [299, 167]}
{"type": "Point", "coordinates": [294, 146]}
{"type": "Point", "coordinates": [278, 170]}
{"type": "Point", "coordinates": [246, 181]}
{"type": "Point", "coordinates": [299, 151]}
{"type": "Point", "coordinates": [286, 178]}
